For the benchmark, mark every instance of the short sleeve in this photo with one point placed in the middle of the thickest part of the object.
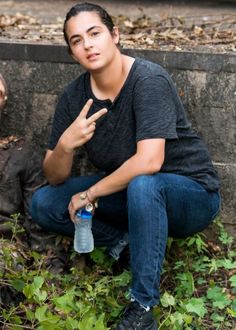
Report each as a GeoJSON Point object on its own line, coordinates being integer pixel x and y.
{"type": "Point", "coordinates": [61, 121]}
{"type": "Point", "coordinates": [154, 109]}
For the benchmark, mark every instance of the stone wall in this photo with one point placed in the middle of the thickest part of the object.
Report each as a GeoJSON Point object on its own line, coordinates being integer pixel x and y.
{"type": "Point", "coordinates": [206, 82]}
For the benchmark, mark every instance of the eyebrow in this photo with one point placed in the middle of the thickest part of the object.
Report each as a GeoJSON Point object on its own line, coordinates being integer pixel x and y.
{"type": "Point", "coordinates": [89, 29]}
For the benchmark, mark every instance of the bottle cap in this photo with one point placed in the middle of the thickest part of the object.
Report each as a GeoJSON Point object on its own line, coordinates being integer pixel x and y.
{"type": "Point", "coordinates": [89, 207]}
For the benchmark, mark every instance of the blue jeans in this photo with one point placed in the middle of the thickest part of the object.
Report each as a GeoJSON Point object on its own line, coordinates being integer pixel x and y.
{"type": "Point", "coordinates": [152, 207]}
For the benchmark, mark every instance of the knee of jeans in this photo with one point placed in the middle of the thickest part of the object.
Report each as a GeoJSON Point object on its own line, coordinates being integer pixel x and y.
{"type": "Point", "coordinates": [140, 185]}
{"type": "Point", "coordinates": [49, 208]}
{"type": "Point", "coordinates": [40, 205]}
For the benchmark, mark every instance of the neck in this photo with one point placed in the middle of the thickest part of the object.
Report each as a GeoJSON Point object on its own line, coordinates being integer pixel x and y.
{"type": "Point", "coordinates": [108, 82]}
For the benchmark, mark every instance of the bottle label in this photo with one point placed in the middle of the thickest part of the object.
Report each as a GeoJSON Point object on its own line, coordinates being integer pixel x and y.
{"type": "Point", "coordinates": [84, 215]}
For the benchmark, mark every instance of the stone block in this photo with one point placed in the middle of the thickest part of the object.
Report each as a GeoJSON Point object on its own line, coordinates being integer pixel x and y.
{"type": "Point", "coordinates": [227, 174]}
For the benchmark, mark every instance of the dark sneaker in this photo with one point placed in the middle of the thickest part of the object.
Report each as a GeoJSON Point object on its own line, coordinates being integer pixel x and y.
{"type": "Point", "coordinates": [136, 317]}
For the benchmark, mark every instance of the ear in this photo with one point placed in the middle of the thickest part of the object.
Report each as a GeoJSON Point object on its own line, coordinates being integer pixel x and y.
{"type": "Point", "coordinates": [116, 35]}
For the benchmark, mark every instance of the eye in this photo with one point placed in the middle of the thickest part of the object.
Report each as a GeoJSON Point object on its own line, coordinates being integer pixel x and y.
{"type": "Point", "coordinates": [94, 33]}
{"type": "Point", "coordinates": [76, 41]}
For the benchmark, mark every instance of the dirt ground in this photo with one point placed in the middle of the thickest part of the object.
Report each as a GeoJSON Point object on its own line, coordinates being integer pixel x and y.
{"type": "Point", "coordinates": [173, 25]}
{"type": "Point", "coordinates": [49, 10]}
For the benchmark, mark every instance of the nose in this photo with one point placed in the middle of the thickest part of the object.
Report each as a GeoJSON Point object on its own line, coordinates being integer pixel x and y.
{"type": "Point", "coordinates": [87, 43]}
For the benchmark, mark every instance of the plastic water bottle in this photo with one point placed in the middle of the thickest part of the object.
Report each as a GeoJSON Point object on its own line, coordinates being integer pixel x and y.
{"type": "Point", "coordinates": [83, 239]}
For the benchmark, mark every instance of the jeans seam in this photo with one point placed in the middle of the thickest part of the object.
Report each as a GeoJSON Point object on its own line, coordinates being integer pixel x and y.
{"type": "Point", "coordinates": [156, 272]}
{"type": "Point", "coordinates": [158, 257]}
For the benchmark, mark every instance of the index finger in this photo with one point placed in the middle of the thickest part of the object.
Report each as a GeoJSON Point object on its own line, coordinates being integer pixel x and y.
{"type": "Point", "coordinates": [85, 110]}
{"type": "Point", "coordinates": [96, 115]}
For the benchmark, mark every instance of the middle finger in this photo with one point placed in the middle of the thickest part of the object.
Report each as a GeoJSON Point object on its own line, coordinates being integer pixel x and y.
{"type": "Point", "coordinates": [96, 116]}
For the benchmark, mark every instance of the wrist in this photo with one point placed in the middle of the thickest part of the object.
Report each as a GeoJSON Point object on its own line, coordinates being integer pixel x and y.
{"type": "Point", "coordinates": [64, 146]}
{"type": "Point", "coordinates": [91, 196]}
{"type": "Point", "coordinates": [90, 204]}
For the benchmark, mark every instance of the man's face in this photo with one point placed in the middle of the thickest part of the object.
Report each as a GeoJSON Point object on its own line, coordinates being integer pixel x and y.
{"type": "Point", "coordinates": [3, 93]}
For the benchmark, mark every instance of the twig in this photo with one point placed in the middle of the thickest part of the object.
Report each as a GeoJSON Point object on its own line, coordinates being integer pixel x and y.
{"type": "Point", "coordinates": [18, 325]}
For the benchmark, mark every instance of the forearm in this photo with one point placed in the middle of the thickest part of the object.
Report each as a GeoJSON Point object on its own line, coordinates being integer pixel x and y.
{"type": "Point", "coordinates": [119, 179]}
{"type": "Point", "coordinates": [57, 164]}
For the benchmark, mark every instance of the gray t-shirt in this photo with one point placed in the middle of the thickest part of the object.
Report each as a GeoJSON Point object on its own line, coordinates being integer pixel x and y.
{"type": "Point", "coordinates": [147, 106]}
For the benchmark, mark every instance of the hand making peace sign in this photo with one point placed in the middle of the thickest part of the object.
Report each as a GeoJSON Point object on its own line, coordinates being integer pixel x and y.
{"type": "Point", "coordinates": [82, 129]}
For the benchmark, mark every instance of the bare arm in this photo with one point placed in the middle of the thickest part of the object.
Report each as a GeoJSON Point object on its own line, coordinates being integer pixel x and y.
{"type": "Point", "coordinates": [147, 160]}
{"type": "Point", "coordinates": [58, 162]}
{"type": "Point", "coordinates": [3, 92]}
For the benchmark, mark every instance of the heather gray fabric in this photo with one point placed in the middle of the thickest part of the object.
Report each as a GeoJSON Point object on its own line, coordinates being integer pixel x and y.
{"type": "Point", "coordinates": [148, 106]}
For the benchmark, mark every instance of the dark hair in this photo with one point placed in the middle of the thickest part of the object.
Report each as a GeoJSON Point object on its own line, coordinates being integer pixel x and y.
{"type": "Point", "coordinates": [86, 6]}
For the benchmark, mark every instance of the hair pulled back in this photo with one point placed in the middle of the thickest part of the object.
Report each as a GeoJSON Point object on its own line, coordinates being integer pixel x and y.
{"type": "Point", "coordinates": [86, 6]}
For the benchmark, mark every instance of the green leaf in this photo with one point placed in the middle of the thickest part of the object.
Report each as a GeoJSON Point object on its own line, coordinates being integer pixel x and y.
{"type": "Point", "coordinates": [187, 283]}
{"type": "Point", "coordinates": [187, 318]}
{"type": "Point", "coordinates": [198, 241]}
{"type": "Point", "coordinates": [82, 307]}
{"type": "Point", "coordinates": [226, 263]}
{"type": "Point", "coordinates": [36, 256]}
{"type": "Point", "coordinates": [177, 320]}
{"type": "Point", "coordinates": [28, 291]}
{"type": "Point", "coordinates": [16, 320]}
{"type": "Point", "coordinates": [88, 321]}
{"type": "Point", "coordinates": [51, 323]}
{"type": "Point", "coordinates": [29, 314]}
{"type": "Point", "coordinates": [49, 326]}
{"type": "Point", "coordinates": [231, 312]}
{"type": "Point", "coordinates": [40, 313]}
{"type": "Point", "coordinates": [100, 323]}
{"type": "Point", "coordinates": [71, 324]}
{"type": "Point", "coordinates": [47, 320]}
{"type": "Point", "coordinates": [123, 279]}
{"type": "Point", "coordinates": [213, 265]}
{"type": "Point", "coordinates": [179, 264]}
{"type": "Point", "coordinates": [112, 302]}
{"type": "Point", "coordinates": [98, 256]}
{"type": "Point", "coordinates": [18, 284]}
{"type": "Point", "coordinates": [233, 305]}
{"type": "Point", "coordinates": [38, 282]}
{"type": "Point", "coordinates": [167, 300]}
{"type": "Point", "coordinates": [225, 238]}
{"type": "Point", "coordinates": [232, 279]}
{"type": "Point", "coordinates": [197, 306]}
{"type": "Point", "coordinates": [32, 290]}
{"type": "Point", "coordinates": [66, 303]}
{"type": "Point", "coordinates": [217, 318]}
{"type": "Point", "coordinates": [41, 295]}
{"type": "Point", "coordinates": [219, 298]}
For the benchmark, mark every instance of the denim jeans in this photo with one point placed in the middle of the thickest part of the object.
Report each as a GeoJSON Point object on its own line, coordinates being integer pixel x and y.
{"type": "Point", "coordinates": [151, 208]}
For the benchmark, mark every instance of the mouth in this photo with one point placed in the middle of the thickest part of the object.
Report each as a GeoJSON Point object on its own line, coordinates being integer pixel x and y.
{"type": "Point", "coordinates": [92, 57]}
